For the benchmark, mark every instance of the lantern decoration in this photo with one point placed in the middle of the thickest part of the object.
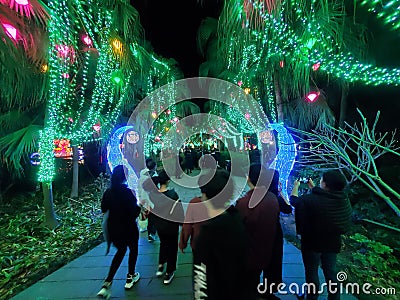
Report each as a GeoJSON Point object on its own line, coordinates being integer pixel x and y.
{"type": "Point", "coordinates": [316, 66]}
{"type": "Point", "coordinates": [247, 116]}
{"type": "Point", "coordinates": [312, 96]}
{"type": "Point", "coordinates": [10, 30]}
{"type": "Point", "coordinates": [240, 83]}
{"type": "Point", "coordinates": [35, 159]}
{"type": "Point", "coordinates": [87, 40]}
{"type": "Point", "coordinates": [132, 137]}
{"type": "Point", "coordinates": [97, 127]}
{"type": "Point", "coordinates": [281, 63]}
{"type": "Point", "coordinates": [266, 137]}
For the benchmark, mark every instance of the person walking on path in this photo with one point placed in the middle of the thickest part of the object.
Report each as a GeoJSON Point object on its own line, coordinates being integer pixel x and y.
{"type": "Point", "coordinates": [221, 244]}
{"type": "Point", "coordinates": [260, 221]}
{"type": "Point", "coordinates": [168, 216]}
{"type": "Point", "coordinates": [123, 210]}
{"type": "Point", "coordinates": [322, 216]}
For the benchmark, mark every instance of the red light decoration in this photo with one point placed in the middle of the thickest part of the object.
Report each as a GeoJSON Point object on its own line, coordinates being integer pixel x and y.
{"type": "Point", "coordinates": [240, 83]}
{"type": "Point", "coordinates": [11, 31]}
{"type": "Point", "coordinates": [87, 40]}
{"type": "Point", "coordinates": [312, 96]}
{"type": "Point", "coordinates": [281, 63]}
{"type": "Point", "coordinates": [316, 66]}
{"type": "Point", "coordinates": [247, 116]}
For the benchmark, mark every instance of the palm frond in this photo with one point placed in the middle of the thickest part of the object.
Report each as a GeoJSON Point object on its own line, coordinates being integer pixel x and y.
{"type": "Point", "coordinates": [17, 145]}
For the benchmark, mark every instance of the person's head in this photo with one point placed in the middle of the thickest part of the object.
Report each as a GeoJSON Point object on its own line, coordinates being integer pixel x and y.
{"type": "Point", "coordinates": [150, 164]}
{"type": "Point", "coordinates": [333, 181]}
{"type": "Point", "coordinates": [218, 190]}
{"type": "Point", "coordinates": [162, 178]}
{"type": "Point", "coordinates": [274, 186]}
{"type": "Point", "coordinates": [118, 176]}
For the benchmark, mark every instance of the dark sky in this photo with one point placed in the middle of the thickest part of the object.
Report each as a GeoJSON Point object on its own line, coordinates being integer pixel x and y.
{"type": "Point", "coordinates": [171, 27]}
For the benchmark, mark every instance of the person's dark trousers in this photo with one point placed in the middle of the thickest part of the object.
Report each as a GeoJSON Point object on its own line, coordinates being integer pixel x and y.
{"type": "Point", "coordinates": [151, 226]}
{"type": "Point", "coordinates": [168, 250]}
{"type": "Point", "coordinates": [119, 256]}
{"type": "Point", "coordinates": [311, 261]}
{"type": "Point", "coordinates": [273, 273]}
{"type": "Point", "coordinates": [251, 282]}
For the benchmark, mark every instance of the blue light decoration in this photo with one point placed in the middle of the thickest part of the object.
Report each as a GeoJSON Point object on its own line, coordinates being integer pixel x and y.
{"type": "Point", "coordinates": [285, 159]}
{"type": "Point", "coordinates": [115, 156]}
{"type": "Point", "coordinates": [35, 159]}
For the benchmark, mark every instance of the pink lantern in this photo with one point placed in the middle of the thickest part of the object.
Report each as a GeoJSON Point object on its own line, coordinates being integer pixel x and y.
{"type": "Point", "coordinates": [312, 96]}
{"type": "Point", "coordinates": [22, 2]}
{"type": "Point", "coordinates": [87, 40]}
{"type": "Point", "coordinates": [316, 66]}
{"type": "Point", "coordinates": [11, 31]}
{"type": "Point", "coordinates": [240, 83]}
{"type": "Point", "coordinates": [247, 116]}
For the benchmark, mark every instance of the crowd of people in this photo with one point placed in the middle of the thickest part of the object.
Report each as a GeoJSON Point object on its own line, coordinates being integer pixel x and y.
{"type": "Point", "coordinates": [233, 243]}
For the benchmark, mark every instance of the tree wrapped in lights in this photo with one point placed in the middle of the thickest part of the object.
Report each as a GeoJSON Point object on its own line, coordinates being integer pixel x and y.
{"type": "Point", "coordinates": [279, 49]}
{"type": "Point", "coordinates": [354, 150]}
{"type": "Point", "coordinates": [73, 109]}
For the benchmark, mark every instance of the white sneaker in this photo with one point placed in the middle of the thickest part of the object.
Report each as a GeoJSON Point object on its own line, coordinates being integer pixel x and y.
{"type": "Point", "coordinates": [160, 270]}
{"type": "Point", "coordinates": [131, 280]}
{"type": "Point", "coordinates": [105, 290]}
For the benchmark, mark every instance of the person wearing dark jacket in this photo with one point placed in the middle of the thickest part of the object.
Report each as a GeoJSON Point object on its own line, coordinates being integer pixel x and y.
{"type": "Point", "coordinates": [322, 216]}
{"type": "Point", "coordinates": [221, 244]}
{"type": "Point", "coordinates": [123, 210]}
{"type": "Point", "coordinates": [260, 220]}
{"type": "Point", "coordinates": [168, 216]}
{"type": "Point", "coordinates": [272, 274]}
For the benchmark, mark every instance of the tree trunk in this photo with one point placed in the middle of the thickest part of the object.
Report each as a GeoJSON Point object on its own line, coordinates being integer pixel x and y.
{"type": "Point", "coordinates": [75, 172]}
{"type": "Point", "coordinates": [343, 104]}
{"type": "Point", "coordinates": [50, 221]}
{"type": "Point", "coordinates": [278, 98]}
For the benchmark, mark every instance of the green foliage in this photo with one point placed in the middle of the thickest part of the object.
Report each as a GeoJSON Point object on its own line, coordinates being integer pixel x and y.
{"type": "Point", "coordinates": [31, 252]}
{"type": "Point", "coordinates": [370, 261]}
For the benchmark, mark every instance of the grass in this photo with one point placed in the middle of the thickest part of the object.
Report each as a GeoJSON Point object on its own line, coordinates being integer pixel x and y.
{"type": "Point", "coordinates": [30, 252]}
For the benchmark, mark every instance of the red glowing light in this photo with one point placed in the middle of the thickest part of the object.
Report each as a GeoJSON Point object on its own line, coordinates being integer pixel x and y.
{"type": "Point", "coordinates": [247, 116]}
{"type": "Point", "coordinates": [240, 83]}
{"type": "Point", "coordinates": [87, 40]}
{"type": "Point", "coordinates": [312, 96]}
{"type": "Point", "coordinates": [281, 63]}
{"type": "Point", "coordinates": [316, 66]}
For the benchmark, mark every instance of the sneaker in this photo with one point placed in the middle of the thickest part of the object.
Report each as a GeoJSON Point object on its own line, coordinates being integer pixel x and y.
{"type": "Point", "coordinates": [131, 280]}
{"type": "Point", "coordinates": [105, 290]}
{"type": "Point", "coordinates": [160, 270]}
{"type": "Point", "coordinates": [168, 277]}
{"type": "Point", "coordinates": [151, 238]}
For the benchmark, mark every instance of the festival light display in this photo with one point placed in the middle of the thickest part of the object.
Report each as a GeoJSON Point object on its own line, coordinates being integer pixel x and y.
{"type": "Point", "coordinates": [72, 112]}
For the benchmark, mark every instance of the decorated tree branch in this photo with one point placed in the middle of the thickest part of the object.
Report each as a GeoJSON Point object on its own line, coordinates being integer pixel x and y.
{"type": "Point", "coordinates": [354, 150]}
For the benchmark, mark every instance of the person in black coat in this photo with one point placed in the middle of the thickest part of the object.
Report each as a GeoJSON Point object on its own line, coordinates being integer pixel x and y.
{"type": "Point", "coordinates": [221, 245]}
{"type": "Point", "coordinates": [168, 216]}
{"type": "Point", "coordinates": [123, 210]}
{"type": "Point", "coordinates": [322, 216]}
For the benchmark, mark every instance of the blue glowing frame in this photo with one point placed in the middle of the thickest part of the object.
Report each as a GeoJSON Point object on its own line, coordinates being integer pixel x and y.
{"type": "Point", "coordinates": [286, 156]}
{"type": "Point", "coordinates": [115, 156]}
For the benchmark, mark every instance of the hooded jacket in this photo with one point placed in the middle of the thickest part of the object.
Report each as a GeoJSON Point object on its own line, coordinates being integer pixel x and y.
{"type": "Point", "coordinates": [168, 213]}
{"type": "Point", "coordinates": [321, 218]}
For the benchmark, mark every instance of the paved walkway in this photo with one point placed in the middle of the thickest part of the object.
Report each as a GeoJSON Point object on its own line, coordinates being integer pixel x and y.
{"type": "Point", "coordinates": [83, 277]}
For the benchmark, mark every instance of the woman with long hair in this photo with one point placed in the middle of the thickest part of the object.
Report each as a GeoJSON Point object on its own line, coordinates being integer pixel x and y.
{"type": "Point", "coordinates": [123, 210]}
